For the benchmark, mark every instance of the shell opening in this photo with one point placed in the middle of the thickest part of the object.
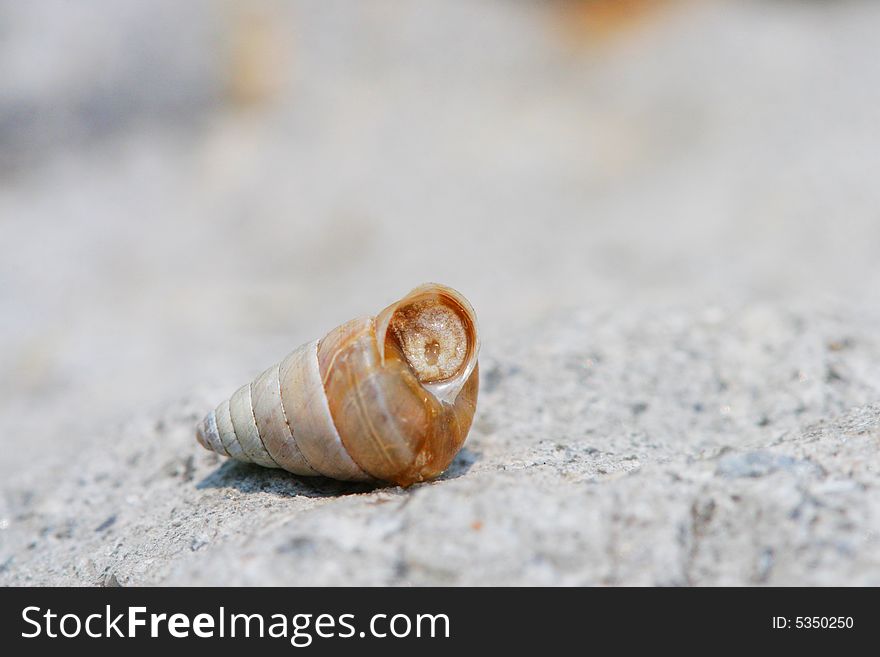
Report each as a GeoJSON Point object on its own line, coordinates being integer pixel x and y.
{"type": "Point", "coordinates": [432, 337]}
{"type": "Point", "coordinates": [434, 328]}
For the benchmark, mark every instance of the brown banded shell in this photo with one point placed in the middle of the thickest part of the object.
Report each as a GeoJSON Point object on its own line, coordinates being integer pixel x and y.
{"type": "Point", "coordinates": [386, 398]}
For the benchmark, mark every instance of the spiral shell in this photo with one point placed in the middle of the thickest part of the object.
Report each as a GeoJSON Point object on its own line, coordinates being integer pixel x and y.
{"type": "Point", "coordinates": [387, 398]}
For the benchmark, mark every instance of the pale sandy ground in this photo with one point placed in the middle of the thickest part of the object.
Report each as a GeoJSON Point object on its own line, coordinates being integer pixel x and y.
{"type": "Point", "coordinates": [670, 231]}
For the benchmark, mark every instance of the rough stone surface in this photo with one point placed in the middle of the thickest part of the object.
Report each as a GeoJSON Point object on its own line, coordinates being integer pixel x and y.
{"type": "Point", "coordinates": [684, 448]}
{"type": "Point", "coordinates": [668, 229]}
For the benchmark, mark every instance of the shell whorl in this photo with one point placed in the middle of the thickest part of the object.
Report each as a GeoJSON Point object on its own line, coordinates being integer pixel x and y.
{"type": "Point", "coordinates": [387, 398]}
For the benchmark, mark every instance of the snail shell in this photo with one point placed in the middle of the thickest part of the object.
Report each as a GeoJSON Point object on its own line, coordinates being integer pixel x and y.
{"type": "Point", "coordinates": [386, 398]}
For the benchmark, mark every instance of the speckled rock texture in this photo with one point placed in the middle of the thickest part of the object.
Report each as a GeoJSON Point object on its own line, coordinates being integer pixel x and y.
{"type": "Point", "coordinates": [713, 447]}
{"type": "Point", "coordinates": [667, 225]}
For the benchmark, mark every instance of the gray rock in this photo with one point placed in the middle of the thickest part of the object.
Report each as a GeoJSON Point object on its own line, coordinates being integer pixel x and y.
{"type": "Point", "coordinates": [559, 483]}
{"type": "Point", "coordinates": [759, 464]}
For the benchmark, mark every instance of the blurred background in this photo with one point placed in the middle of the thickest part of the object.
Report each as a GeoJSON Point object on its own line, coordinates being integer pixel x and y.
{"type": "Point", "coordinates": [189, 190]}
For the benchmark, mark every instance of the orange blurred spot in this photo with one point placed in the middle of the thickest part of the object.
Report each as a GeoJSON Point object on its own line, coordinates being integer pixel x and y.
{"type": "Point", "coordinates": [600, 20]}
